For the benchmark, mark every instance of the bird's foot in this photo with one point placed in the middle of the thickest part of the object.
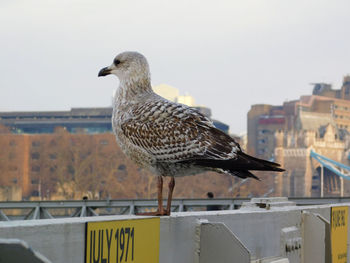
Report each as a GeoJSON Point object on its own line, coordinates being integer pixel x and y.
{"type": "Point", "coordinates": [155, 213]}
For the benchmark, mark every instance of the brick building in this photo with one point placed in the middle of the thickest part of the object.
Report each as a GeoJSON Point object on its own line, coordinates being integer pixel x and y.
{"type": "Point", "coordinates": [287, 133]}
{"type": "Point", "coordinates": [63, 165]}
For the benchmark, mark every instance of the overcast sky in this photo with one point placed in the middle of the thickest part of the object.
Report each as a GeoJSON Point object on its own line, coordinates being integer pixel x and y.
{"type": "Point", "coordinates": [227, 54]}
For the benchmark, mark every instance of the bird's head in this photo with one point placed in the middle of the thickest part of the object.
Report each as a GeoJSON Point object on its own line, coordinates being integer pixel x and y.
{"type": "Point", "coordinates": [128, 66]}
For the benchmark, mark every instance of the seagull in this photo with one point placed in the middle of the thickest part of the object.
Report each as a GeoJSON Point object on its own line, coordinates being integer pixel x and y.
{"type": "Point", "coordinates": [168, 138]}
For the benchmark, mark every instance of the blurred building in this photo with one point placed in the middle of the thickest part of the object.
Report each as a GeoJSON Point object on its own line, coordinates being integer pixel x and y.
{"type": "Point", "coordinates": [173, 94]}
{"type": "Point", "coordinates": [57, 165]}
{"type": "Point", "coordinates": [287, 133]}
{"type": "Point", "coordinates": [310, 112]}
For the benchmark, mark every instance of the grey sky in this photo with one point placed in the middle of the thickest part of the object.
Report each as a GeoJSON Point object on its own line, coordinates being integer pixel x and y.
{"type": "Point", "coordinates": [227, 54]}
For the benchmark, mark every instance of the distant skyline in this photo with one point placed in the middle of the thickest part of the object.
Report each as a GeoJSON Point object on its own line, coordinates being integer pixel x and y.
{"type": "Point", "coordinates": [228, 55]}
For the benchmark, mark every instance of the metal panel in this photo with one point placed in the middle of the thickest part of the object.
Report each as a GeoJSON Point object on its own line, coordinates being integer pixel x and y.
{"type": "Point", "coordinates": [15, 250]}
{"type": "Point", "coordinates": [315, 238]}
{"type": "Point", "coordinates": [219, 244]}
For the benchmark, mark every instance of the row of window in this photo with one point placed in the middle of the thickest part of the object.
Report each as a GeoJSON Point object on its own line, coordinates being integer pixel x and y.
{"type": "Point", "coordinates": [33, 181]}
{"type": "Point", "coordinates": [53, 143]}
{"type": "Point", "coordinates": [36, 168]}
{"type": "Point", "coordinates": [263, 141]}
{"type": "Point", "coordinates": [37, 117]}
{"type": "Point", "coordinates": [341, 107]}
{"type": "Point", "coordinates": [342, 117]}
{"type": "Point", "coordinates": [34, 156]}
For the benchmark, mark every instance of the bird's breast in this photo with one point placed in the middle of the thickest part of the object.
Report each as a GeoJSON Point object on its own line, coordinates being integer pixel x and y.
{"type": "Point", "coordinates": [134, 152]}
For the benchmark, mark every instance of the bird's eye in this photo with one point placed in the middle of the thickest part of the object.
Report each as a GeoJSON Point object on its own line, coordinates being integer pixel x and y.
{"type": "Point", "coordinates": [116, 62]}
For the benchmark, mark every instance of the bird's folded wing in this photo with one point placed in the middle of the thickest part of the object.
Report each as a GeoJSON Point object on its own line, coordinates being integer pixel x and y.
{"type": "Point", "coordinates": [178, 135]}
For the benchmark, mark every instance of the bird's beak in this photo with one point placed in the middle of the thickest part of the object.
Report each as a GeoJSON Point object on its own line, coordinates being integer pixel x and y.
{"type": "Point", "coordinates": [104, 72]}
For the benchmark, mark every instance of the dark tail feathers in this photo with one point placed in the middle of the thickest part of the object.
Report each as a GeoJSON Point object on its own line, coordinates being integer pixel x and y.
{"type": "Point", "coordinates": [256, 164]}
{"type": "Point", "coordinates": [241, 165]}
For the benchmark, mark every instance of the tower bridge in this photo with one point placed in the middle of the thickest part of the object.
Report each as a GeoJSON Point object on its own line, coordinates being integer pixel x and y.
{"type": "Point", "coordinates": [335, 175]}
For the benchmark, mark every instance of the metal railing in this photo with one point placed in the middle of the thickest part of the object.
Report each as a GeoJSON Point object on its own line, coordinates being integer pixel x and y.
{"type": "Point", "coordinates": [29, 210]}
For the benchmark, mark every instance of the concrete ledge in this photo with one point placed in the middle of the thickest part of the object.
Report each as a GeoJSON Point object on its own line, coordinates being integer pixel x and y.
{"type": "Point", "coordinates": [260, 230]}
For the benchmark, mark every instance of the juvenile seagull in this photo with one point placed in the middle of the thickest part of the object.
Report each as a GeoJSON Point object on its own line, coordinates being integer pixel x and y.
{"type": "Point", "coordinates": [169, 138]}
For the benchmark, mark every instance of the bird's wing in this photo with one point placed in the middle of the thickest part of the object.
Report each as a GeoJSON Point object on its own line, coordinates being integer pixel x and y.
{"type": "Point", "coordinates": [173, 132]}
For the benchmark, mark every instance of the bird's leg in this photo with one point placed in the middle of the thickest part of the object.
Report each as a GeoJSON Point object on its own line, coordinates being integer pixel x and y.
{"type": "Point", "coordinates": [160, 194]}
{"type": "Point", "coordinates": [170, 195]}
{"type": "Point", "coordinates": [160, 211]}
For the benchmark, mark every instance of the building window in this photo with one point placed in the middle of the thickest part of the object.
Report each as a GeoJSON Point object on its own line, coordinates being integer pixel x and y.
{"type": "Point", "coordinates": [12, 155]}
{"type": "Point", "coordinates": [261, 151]}
{"type": "Point", "coordinates": [35, 143]}
{"type": "Point", "coordinates": [262, 141]}
{"type": "Point", "coordinates": [122, 167]}
{"type": "Point", "coordinates": [53, 156]}
{"type": "Point", "coordinates": [35, 181]}
{"type": "Point", "coordinates": [264, 131]}
{"type": "Point", "coordinates": [35, 193]}
{"type": "Point", "coordinates": [35, 168]}
{"type": "Point", "coordinates": [13, 168]}
{"type": "Point", "coordinates": [35, 156]}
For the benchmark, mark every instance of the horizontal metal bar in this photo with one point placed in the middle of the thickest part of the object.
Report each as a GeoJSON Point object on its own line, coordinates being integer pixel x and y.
{"type": "Point", "coordinates": [153, 202]}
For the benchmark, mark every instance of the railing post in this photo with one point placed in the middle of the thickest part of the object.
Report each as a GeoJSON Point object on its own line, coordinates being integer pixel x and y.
{"type": "Point", "coordinates": [132, 208]}
{"type": "Point", "coordinates": [83, 211]}
{"type": "Point", "coordinates": [36, 214]}
{"type": "Point", "coordinates": [341, 185]}
{"type": "Point", "coordinates": [232, 206]}
{"type": "Point", "coordinates": [322, 179]}
{"type": "Point", "coordinates": [181, 206]}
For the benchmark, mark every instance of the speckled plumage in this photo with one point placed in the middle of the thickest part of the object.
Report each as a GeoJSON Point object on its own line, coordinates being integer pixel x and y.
{"type": "Point", "coordinates": [164, 136]}
{"type": "Point", "coordinates": [170, 139]}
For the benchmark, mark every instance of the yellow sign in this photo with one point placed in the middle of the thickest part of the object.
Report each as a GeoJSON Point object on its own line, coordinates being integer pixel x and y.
{"type": "Point", "coordinates": [122, 241]}
{"type": "Point", "coordinates": [339, 233]}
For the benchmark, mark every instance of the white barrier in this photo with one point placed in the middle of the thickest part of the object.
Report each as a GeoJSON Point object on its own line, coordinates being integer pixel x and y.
{"type": "Point", "coordinates": [275, 233]}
